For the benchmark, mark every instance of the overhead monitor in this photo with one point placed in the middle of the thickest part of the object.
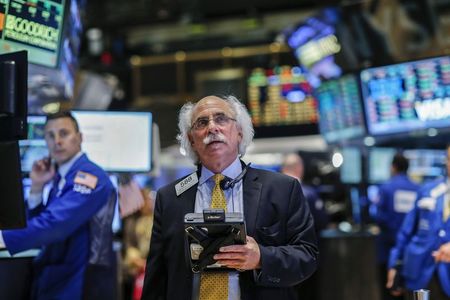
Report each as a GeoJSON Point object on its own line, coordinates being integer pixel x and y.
{"type": "Point", "coordinates": [55, 82]}
{"type": "Point", "coordinates": [340, 111]}
{"type": "Point", "coordinates": [35, 26]}
{"type": "Point", "coordinates": [117, 141]}
{"type": "Point", "coordinates": [315, 43]}
{"type": "Point", "coordinates": [281, 103]}
{"type": "Point", "coordinates": [407, 96]}
{"type": "Point", "coordinates": [351, 168]}
{"type": "Point", "coordinates": [380, 161]}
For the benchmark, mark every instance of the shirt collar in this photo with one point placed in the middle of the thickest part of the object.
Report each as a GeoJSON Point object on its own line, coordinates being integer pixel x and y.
{"type": "Point", "coordinates": [65, 167]}
{"type": "Point", "coordinates": [232, 171]}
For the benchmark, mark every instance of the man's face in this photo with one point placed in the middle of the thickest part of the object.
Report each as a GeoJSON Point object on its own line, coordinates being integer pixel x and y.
{"type": "Point", "coordinates": [63, 141]}
{"type": "Point", "coordinates": [216, 144]}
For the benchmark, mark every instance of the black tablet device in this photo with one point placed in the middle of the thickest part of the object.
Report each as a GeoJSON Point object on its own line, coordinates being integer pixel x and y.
{"type": "Point", "coordinates": [206, 232]}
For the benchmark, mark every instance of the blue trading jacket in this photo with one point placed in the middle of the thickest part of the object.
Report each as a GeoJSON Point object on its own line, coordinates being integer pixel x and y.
{"type": "Point", "coordinates": [74, 231]}
{"type": "Point", "coordinates": [396, 198]}
{"type": "Point", "coordinates": [423, 231]}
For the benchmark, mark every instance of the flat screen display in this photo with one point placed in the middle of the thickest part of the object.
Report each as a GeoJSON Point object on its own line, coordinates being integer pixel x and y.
{"type": "Point", "coordinates": [315, 43]}
{"type": "Point", "coordinates": [380, 161]}
{"type": "Point", "coordinates": [117, 141]}
{"type": "Point", "coordinates": [35, 26]}
{"type": "Point", "coordinates": [408, 96]}
{"type": "Point", "coordinates": [281, 97]}
{"type": "Point", "coordinates": [351, 168]}
{"type": "Point", "coordinates": [34, 147]}
{"type": "Point", "coordinates": [426, 164]}
{"type": "Point", "coordinates": [340, 110]}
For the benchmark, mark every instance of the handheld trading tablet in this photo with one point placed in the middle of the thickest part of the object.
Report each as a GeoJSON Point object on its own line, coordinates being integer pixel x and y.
{"type": "Point", "coordinates": [206, 232]}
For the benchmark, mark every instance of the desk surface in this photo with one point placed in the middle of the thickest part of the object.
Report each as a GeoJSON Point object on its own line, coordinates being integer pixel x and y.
{"type": "Point", "coordinates": [28, 253]}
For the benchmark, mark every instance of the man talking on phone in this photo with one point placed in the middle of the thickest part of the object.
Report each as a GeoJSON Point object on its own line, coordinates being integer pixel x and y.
{"type": "Point", "coordinates": [281, 246]}
{"type": "Point", "coordinates": [71, 223]}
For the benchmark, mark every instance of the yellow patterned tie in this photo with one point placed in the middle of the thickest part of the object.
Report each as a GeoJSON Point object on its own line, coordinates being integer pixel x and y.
{"type": "Point", "coordinates": [214, 285]}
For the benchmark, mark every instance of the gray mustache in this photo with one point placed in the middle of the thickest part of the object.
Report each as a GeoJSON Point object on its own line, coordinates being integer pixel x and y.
{"type": "Point", "coordinates": [214, 138]}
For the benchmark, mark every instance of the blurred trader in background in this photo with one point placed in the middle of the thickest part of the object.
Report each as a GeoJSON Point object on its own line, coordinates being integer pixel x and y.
{"type": "Point", "coordinates": [293, 166]}
{"type": "Point", "coordinates": [71, 222]}
{"type": "Point", "coordinates": [395, 199]}
{"type": "Point", "coordinates": [281, 248]}
{"type": "Point", "coordinates": [421, 256]}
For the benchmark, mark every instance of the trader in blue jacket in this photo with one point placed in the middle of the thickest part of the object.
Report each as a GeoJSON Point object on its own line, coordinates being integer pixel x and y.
{"type": "Point", "coordinates": [422, 251]}
{"type": "Point", "coordinates": [72, 224]}
{"type": "Point", "coordinates": [395, 199]}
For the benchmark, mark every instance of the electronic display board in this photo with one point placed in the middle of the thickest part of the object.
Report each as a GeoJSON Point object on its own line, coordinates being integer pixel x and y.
{"type": "Point", "coordinates": [340, 110]}
{"type": "Point", "coordinates": [281, 97]}
{"type": "Point", "coordinates": [351, 168]}
{"type": "Point", "coordinates": [407, 96]}
{"type": "Point", "coordinates": [380, 162]}
{"type": "Point", "coordinates": [35, 26]}
{"type": "Point", "coordinates": [426, 164]}
{"type": "Point", "coordinates": [315, 43]}
{"type": "Point", "coordinates": [117, 141]}
{"type": "Point", "coordinates": [34, 147]}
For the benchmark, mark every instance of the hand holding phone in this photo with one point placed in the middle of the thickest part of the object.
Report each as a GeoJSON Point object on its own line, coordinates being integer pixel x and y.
{"type": "Point", "coordinates": [42, 172]}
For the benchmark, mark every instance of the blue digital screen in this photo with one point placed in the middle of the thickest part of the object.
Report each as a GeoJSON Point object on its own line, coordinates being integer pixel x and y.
{"type": "Point", "coordinates": [426, 164]}
{"type": "Point", "coordinates": [351, 168]}
{"type": "Point", "coordinates": [380, 161]}
{"type": "Point", "coordinates": [408, 96]}
{"type": "Point", "coordinates": [340, 110]}
{"type": "Point", "coordinates": [315, 43]}
{"type": "Point", "coordinates": [34, 147]}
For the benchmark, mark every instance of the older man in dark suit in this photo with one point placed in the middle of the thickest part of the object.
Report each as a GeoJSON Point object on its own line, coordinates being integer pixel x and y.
{"type": "Point", "coordinates": [280, 249]}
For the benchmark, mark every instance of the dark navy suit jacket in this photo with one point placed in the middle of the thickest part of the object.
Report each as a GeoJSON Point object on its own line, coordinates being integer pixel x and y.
{"type": "Point", "coordinates": [277, 217]}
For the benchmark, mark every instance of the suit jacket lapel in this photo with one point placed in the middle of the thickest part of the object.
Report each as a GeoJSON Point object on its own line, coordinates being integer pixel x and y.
{"type": "Point", "coordinates": [252, 195]}
{"type": "Point", "coordinates": [188, 199]}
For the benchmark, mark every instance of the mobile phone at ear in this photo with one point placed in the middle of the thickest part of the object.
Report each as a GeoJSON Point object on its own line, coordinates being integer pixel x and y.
{"type": "Point", "coordinates": [48, 163]}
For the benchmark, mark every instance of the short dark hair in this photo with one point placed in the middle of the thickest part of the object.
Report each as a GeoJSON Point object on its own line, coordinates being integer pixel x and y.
{"type": "Point", "coordinates": [63, 114]}
{"type": "Point", "coordinates": [400, 163]}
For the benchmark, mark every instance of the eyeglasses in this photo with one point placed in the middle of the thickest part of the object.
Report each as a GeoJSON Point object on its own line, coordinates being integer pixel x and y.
{"type": "Point", "coordinates": [219, 119]}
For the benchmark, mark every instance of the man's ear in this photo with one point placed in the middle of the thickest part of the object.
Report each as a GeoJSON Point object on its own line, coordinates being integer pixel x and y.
{"type": "Point", "coordinates": [191, 140]}
{"type": "Point", "coordinates": [80, 139]}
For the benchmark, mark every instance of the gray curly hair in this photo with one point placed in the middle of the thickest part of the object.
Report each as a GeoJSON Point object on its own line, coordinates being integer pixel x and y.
{"type": "Point", "coordinates": [243, 120]}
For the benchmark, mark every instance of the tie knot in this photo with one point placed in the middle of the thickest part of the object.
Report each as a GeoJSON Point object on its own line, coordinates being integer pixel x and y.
{"type": "Point", "coordinates": [218, 178]}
